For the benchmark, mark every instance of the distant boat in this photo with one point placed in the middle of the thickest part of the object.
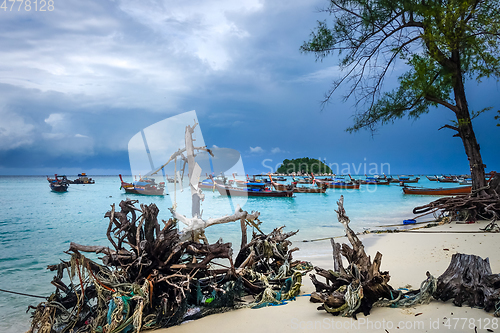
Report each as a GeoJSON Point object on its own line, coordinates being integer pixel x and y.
{"type": "Point", "coordinates": [465, 181]}
{"type": "Point", "coordinates": [58, 183]}
{"type": "Point", "coordinates": [448, 179]}
{"type": "Point", "coordinates": [83, 179]}
{"type": "Point", "coordinates": [438, 191]}
{"type": "Point", "coordinates": [371, 180]}
{"type": "Point", "coordinates": [235, 191]}
{"type": "Point", "coordinates": [304, 189]}
{"type": "Point", "coordinates": [209, 182]}
{"type": "Point", "coordinates": [144, 186]}
{"type": "Point", "coordinates": [303, 180]}
{"type": "Point", "coordinates": [206, 184]}
{"type": "Point", "coordinates": [298, 189]}
{"type": "Point", "coordinates": [404, 180]}
{"type": "Point", "coordinates": [337, 184]}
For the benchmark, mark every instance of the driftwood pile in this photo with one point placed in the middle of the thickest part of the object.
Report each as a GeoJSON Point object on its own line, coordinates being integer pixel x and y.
{"type": "Point", "coordinates": [361, 286]}
{"type": "Point", "coordinates": [481, 204]}
{"type": "Point", "coordinates": [354, 289]}
{"type": "Point", "coordinates": [151, 278]}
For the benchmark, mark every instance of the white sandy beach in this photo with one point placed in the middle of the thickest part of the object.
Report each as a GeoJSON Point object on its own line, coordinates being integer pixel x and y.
{"type": "Point", "coordinates": [407, 256]}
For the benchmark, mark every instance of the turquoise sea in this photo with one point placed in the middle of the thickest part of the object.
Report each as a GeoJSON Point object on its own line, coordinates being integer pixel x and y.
{"type": "Point", "coordinates": [37, 225]}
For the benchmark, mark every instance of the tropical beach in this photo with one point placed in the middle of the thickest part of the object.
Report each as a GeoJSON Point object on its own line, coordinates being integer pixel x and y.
{"type": "Point", "coordinates": [407, 256]}
{"type": "Point", "coordinates": [251, 165]}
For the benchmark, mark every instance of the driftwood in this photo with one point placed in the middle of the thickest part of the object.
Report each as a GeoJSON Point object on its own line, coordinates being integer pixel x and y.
{"type": "Point", "coordinates": [195, 227]}
{"type": "Point", "coordinates": [483, 203]}
{"type": "Point", "coordinates": [357, 287]}
{"type": "Point", "coordinates": [468, 280]}
{"type": "Point", "coordinates": [151, 276]}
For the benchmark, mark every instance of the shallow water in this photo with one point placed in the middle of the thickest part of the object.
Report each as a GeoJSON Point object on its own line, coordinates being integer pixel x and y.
{"type": "Point", "coordinates": [37, 225]}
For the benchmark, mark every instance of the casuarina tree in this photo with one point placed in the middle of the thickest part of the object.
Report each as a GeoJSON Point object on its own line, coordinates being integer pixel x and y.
{"type": "Point", "coordinates": [443, 42]}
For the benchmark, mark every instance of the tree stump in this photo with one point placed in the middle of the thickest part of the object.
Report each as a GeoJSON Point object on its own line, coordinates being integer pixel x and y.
{"type": "Point", "coordinates": [468, 280]}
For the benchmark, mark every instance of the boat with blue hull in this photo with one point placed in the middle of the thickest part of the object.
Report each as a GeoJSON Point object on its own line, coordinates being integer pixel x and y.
{"type": "Point", "coordinates": [251, 192]}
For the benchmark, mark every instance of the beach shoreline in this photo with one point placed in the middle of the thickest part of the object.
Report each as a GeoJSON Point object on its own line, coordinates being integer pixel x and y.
{"type": "Point", "coordinates": [407, 256]}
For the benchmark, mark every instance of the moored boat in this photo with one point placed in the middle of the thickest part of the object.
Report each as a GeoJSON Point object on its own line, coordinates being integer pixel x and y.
{"type": "Point", "coordinates": [209, 182]}
{"type": "Point", "coordinates": [83, 179]}
{"type": "Point", "coordinates": [432, 178]}
{"type": "Point", "coordinates": [236, 191]}
{"type": "Point", "coordinates": [448, 179]}
{"type": "Point", "coordinates": [337, 184]}
{"type": "Point", "coordinates": [58, 183]}
{"type": "Point", "coordinates": [465, 181]}
{"type": "Point", "coordinates": [305, 189]}
{"type": "Point", "coordinates": [144, 186]}
{"type": "Point", "coordinates": [437, 191]}
{"type": "Point", "coordinates": [206, 184]}
{"type": "Point", "coordinates": [404, 180]}
{"type": "Point", "coordinates": [298, 189]}
{"type": "Point", "coordinates": [370, 181]}
{"type": "Point", "coordinates": [303, 180]}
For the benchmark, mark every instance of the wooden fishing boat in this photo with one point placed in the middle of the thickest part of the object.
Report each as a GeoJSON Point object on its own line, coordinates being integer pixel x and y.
{"type": "Point", "coordinates": [448, 179]}
{"type": "Point", "coordinates": [465, 181]}
{"type": "Point", "coordinates": [404, 179]}
{"type": "Point", "coordinates": [236, 191]}
{"type": "Point", "coordinates": [432, 178]}
{"type": "Point", "coordinates": [304, 189]}
{"type": "Point", "coordinates": [437, 191]}
{"type": "Point", "coordinates": [58, 183]}
{"type": "Point", "coordinates": [206, 184]}
{"type": "Point", "coordinates": [370, 181]}
{"type": "Point", "coordinates": [298, 189]}
{"type": "Point", "coordinates": [83, 179]}
{"type": "Point", "coordinates": [144, 186]}
{"type": "Point", "coordinates": [338, 185]}
{"type": "Point", "coordinates": [303, 180]}
{"type": "Point", "coordinates": [209, 182]}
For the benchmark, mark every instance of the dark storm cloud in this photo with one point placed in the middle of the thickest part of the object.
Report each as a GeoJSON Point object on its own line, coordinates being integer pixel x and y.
{"type": "Point", "coordinates": [78, 82]}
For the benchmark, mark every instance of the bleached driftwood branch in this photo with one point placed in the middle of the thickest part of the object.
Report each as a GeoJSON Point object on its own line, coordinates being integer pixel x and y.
{"type": "Point", "coordinates": [195, 226]}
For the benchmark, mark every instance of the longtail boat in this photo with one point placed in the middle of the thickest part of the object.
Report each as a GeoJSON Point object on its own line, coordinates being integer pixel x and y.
{"type": "Point", "coordinates": [448, 179]}
{"type": "Point", "coordinates": [58, 183]}
{"type": "Point", "coordinates": [338, 185]}
{"type": "Point", "coordinates": [304, 189]}
{"type": "Point", "coordinates": [206, 184]}
{"type": "Point", "coordinates": [235, 191]}
{"type": "Point", "coordinates": [144, 186]}
{"type": "Point", "coordinates": [370, 181]}
{"type": "Point", "coordinates": [438, 191]}
{"type": "Point", "coordinates": [404, 180]}
{"type": "Point", "coordinates": [303, 180]}
{"type": "Point", "coordinates": [83, 179]}
{"type": "Point", "coordinates": [298, 189]}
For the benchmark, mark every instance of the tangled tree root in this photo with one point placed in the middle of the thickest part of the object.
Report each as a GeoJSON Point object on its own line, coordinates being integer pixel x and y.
{"type": "Point", "coordinates": [150, 278]}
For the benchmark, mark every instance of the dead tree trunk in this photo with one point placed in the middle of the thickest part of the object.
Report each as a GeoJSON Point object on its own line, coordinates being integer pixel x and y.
{"type": "Point", "coordinates": [468, 280]}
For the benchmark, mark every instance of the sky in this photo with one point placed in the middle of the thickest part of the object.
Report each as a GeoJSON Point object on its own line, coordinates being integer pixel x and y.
{"type": "Point", "coordinates": [79, 81]}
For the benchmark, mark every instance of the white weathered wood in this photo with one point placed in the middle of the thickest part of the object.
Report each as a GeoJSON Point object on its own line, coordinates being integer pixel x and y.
{"type": "Point", "coordinates": [195, 227]}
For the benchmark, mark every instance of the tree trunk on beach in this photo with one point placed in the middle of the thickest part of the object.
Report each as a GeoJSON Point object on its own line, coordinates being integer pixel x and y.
{"type": "Point", "coordinates": [465, 130]}
{"type": "Point", "coordinates": [468, 279]}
